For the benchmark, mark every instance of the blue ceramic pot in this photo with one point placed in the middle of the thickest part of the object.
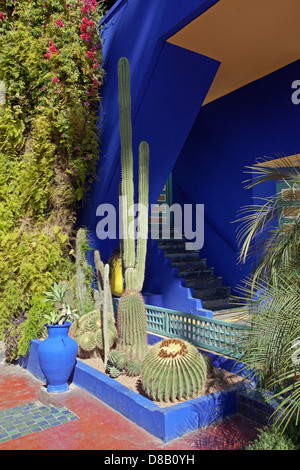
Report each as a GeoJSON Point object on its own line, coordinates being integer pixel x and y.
{"type": "Point", "coordinates": [57, 355]}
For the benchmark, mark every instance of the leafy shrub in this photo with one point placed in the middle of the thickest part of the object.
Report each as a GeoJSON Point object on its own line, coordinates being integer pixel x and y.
{"type": "Point", "coordinates": [271, 439]}
{"type": "Point", "coordinates": [51, 65]}
{"type": "Point", "coordinates": [12, 335]}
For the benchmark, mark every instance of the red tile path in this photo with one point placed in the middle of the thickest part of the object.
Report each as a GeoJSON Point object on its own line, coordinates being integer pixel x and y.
{"type": "Point", "coordinates": [101, 428]}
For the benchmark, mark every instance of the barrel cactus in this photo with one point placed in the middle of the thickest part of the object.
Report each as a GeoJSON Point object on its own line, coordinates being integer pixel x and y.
{"type": "Point", "coordinates": [89, 334]}
{"type": "Point", "coordinates": [172, 370]}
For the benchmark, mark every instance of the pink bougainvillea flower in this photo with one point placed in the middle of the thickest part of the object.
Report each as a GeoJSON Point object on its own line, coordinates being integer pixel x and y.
{"type": "Point", "coordinates": [52, 48]}
{"type": "Point", "coordinates": [55, 80]}
{"type": "Point", "coordinates": [90, 5]}
{"type": "Point", "coordinates": [59, 23]}
{"type": "Point", "coordinates": [86, 29]}
{"type": "Point", "coordinates": [2, 16]}
{"type": "Point", "coordinates": [90, 54]}
{"type": "Point", "coordinates": [86, 103]}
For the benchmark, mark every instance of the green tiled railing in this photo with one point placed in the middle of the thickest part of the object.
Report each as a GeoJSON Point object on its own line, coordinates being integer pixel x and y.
{"type": "Point", "coordinates": [206, 333]}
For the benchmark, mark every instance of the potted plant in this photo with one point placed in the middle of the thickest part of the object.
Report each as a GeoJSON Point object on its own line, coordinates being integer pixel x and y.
{"type": "Point", "coordinates": [57, 353]}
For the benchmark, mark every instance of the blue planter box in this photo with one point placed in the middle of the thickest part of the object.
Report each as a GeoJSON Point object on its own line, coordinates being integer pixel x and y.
{"type": "Point", "coordinates": [166, 423]}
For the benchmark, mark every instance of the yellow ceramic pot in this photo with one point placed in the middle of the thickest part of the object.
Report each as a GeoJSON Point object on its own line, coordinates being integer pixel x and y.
{"type": "Point", "coordinates": [116, 281]}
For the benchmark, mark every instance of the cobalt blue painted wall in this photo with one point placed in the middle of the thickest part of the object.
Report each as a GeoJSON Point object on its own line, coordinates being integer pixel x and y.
{"type": "Point", "coordinates": [168, 86]}
{"type": "Point", "coordinates": [255, 121]}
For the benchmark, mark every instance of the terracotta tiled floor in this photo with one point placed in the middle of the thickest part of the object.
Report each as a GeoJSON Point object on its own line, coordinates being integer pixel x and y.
{"type": "Point", "coordinates": [95, 426]}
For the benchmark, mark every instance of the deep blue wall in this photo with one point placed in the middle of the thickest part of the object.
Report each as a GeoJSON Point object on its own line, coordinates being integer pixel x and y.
{"type": "Point", "coordinates": [168, 86]}
{"type": "Point", "coordinates": [230, 133]}
{"type": "Point", "coordinates": [207, 148]}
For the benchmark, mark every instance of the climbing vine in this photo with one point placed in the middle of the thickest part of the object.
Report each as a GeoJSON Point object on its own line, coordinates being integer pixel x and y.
{"type": "Point", "coordinates": [50, 73]}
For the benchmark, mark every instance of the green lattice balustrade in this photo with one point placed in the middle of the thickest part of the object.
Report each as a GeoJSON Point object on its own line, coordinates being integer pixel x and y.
{"type": "Point", "coordinates": [207, 333]}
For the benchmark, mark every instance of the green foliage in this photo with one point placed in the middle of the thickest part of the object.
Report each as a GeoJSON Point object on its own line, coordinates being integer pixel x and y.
{"type": "Point", "coordinates": [172, 370]}
{"type": "Point", "coordinates": [33, 326]}
{"type": "Point", "coordinates": [270, 439]}
{"type": "Point", "coordinates": [272, 289]}
{"type": "Point", "coordinates": [51, 65]}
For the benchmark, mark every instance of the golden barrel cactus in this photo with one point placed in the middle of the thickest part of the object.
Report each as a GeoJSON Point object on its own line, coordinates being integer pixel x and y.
{"type": "Point", "coordinates": [172, 370]}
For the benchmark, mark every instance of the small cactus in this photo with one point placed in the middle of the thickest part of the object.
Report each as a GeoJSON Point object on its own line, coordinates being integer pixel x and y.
{"type": "Point", "coordinates": [209, 364]}
{"type": "Point", "coordinates": [117, 359]}
{"type": "Point", "coordinates": [133, 368]}
{"type": "Point", "coordinates": [113, 357]}
{"type": "Point", "coordinates": [172, 370]}
{"type": "Point", "coordinates": [114, 372]}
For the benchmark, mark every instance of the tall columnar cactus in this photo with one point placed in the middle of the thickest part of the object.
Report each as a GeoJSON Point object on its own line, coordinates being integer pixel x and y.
{"type": "Point", "coordinates": [102, 286]}
{"type": "Point", "coordinates": [131, 309]}
{"type": "Point", "coordinates": [132, 325]}
{"type": "Point", "coordinates": [172, 370]}
{"type": "Point", "coordinates": [83, 291]}
{"type": "Point", "coordinates": [133, 251]}
{"type": "Point", "coordinates": [106, 298]}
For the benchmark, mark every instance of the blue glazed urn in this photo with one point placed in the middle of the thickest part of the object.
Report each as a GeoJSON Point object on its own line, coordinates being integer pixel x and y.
{"type": "Point", "coordinates": [57, 356]}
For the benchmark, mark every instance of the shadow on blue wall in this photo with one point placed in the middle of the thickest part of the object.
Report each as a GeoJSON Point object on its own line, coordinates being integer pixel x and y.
{"type": "Point", "coordinates": [229, 134]}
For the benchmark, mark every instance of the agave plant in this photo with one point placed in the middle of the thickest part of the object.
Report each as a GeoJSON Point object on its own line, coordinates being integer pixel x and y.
{"type": "Point", "coordinates": [272, 291]}
{"type": "Point", "coordinates": [63, 311]}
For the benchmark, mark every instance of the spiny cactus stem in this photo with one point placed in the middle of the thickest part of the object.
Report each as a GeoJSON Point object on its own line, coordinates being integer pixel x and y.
{"type": "Point", "coordinates": [105, 312]}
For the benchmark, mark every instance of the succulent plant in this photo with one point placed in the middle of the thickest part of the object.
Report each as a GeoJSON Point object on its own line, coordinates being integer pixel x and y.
{"type": "Point", "coordinates": [172, 370]}
{"type": "Point", "coordinates": [89, 334]}
{"type": "Point", "coordinates": [87, 341]}
{"type": "Point", "coordinates": [83, 292]}
{"type": "Point", "coordinates": [132, 325]}
{"type": "Point", "coordinates": [114, 356]}
{"type": "Point", "coordinates": [131, 321]}
{"type": "Point", "coordinates": [133, 368]}
{"type": "Point", "coordinates": [114, 371]}
{"type": "Point", "coordinates": [119, 360]}
{"type": "Point", "coordinates": [100, 271]}
{"type": "Point", "coordinates": [209, 364]}
{"type": "Point", "coordinates": [133, 251]}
